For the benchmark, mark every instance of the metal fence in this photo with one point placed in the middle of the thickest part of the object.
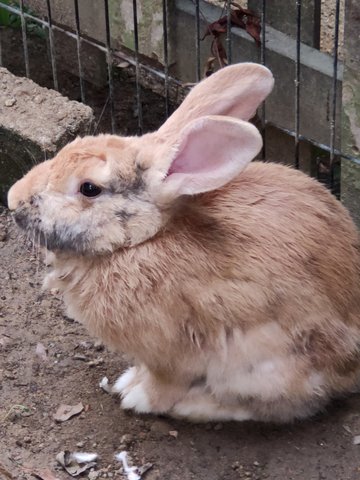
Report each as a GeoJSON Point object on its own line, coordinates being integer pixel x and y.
{"type": "Point", "coordinates": [326, 146]}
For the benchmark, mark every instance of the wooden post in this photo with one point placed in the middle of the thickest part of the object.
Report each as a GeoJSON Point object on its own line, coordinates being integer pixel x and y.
{"type": "Point", "coordinates": [350, 169]}
{"type": "Point", "coordinates": [281, 14]}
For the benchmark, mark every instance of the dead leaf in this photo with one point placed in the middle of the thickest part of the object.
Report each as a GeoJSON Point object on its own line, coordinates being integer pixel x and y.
{"type": "Point", "coordinates": [145, 468]}
{"type": "Point", "coordinates": [41, 352]}
{"type": "Point", "coordinates": [5, 472]}
{"type": "Point", "coordinates": [44, 474]}
{"type": "Point", "coordinates": [239, 17]}
{"type": "Point", "coordinates": [64, 412]}
{"type": "Point", "coordinates": [68, 462]}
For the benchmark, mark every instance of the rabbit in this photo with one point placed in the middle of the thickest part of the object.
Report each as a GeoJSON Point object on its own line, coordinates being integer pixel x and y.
{"type": "Point", "coordinates": [232, 285]}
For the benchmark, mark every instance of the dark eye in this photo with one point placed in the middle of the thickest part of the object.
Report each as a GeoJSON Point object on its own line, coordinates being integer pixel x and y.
{"type": "Point", "coordinates": [89, 189]}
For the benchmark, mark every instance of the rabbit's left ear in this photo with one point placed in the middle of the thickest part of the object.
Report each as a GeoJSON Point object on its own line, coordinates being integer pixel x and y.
{"type": "Point", "coordinates": [210, 152]}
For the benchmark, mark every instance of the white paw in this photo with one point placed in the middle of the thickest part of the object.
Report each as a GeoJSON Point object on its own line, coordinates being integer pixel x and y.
{"type": "Point", "coordinates": [124, 380]}
{"type": "Point", "coordinates": [136, 398]}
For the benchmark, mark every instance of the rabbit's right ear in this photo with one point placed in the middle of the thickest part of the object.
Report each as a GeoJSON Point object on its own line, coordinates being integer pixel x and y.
{"type": "Point", "coordinates": [208, 153]}
{"type": "Point", "coordinates": [234, 91]}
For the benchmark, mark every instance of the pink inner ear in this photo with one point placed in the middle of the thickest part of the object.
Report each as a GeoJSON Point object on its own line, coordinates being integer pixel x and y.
{"type": "Point", "coordinates": [198, 155]}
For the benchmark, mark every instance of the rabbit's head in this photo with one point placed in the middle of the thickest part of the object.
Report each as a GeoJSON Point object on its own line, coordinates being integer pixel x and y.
{"type": "Point", "coordinates": [106, 192]}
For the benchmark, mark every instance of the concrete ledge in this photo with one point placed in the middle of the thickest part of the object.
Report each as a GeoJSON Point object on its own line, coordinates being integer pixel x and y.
{"type": "Point", "coordinates": [35, 123]}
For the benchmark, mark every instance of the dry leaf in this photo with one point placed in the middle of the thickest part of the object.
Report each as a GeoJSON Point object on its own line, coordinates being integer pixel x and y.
{"type": "Point", "coordinates": [44, 474]}
{"type": "Point", "coordinates": [64, 412]}
{"type": "Point", "coordinates": [5, 472]}
{"type": "Point", "coordinates": [239, 17]}
{"type": "Point", "coordinates": [69, 463]}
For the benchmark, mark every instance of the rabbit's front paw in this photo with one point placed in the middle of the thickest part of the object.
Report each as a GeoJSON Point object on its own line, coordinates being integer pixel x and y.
{"type": "Point", "coordinates": [132, 391]}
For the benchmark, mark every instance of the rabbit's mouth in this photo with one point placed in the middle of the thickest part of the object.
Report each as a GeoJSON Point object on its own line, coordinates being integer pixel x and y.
{"type": "Point", "coordinates": [56, 238]}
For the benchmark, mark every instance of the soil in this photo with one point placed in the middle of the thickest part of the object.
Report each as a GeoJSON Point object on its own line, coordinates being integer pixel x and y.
{"type": "Point", "coordinates": [66, 368]}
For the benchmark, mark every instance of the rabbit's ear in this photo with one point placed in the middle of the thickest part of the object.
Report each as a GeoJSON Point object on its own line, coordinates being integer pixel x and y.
{"type": "Point", "coordinates": [210, 152]}
{"type": "Point", "coordinates": [234, 91]}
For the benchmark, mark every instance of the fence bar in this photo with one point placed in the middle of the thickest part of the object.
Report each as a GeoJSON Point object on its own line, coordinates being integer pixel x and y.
{"type": "Point", "coordinates": [263, 62]}
{"type": "Point", "coordinates": [228, 32]}
{"type": "Point", "coordinates": [297, 82]}
{"type": "Point", "coordinates": [52, 46]}
{"type": "Point", "coordinates": [24, 39]}
{"type": "Point", "coordinates": [109, 66]}
{"type": "Point", "coordinates": [322, 146]}
{"type": "Point", "coordinates": [78, 46]}
{"type": "Point", "coordinates": [137, 70]}
{"type": "Point", "coordinates": [197, 39]}
{"type": "Point", "coordinates": [166, 56]}
{"type": "Point", "coordinates": [334, 90]}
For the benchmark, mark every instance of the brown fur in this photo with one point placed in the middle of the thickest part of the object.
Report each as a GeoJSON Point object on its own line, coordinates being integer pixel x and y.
{"type": "Point", "coordinates": [263, 273]}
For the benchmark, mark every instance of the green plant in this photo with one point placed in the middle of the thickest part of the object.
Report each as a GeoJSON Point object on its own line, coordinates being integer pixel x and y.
{"type": "Point", "coordinates": [9, 19]}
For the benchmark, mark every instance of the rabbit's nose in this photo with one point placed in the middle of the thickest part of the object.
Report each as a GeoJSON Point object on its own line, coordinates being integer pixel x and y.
{"type": "Point", "coordinates": [14, 196]}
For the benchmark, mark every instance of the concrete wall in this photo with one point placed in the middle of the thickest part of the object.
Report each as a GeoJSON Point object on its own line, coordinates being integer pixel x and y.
{"type": "Point", "coordinates": [35, 123]}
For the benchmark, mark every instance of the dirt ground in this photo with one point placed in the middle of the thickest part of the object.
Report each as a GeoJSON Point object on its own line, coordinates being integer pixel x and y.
{"type": "Point", "coordinates": [66, 369]}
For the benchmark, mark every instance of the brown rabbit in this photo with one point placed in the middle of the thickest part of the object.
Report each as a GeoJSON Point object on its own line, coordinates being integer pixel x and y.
{"type": "Point", "coordinates": [233, 286]}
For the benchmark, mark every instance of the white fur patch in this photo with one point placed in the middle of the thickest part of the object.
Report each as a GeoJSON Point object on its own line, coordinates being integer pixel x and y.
{"type": "Point", "coordinates": [136, 399]}
{"type": "Point", "coordinates": [124, 380]}
{"type": "Point", "coordinates": [252, 364]}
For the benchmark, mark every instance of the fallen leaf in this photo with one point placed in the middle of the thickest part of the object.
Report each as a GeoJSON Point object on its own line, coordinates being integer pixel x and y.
{"type": "Point", "coordinates": [64, 412]}
{"type": "Point", "coordinates": [145, 468]}
{"type": "Point", "coordinates": [5, 472]}
{"type": "Point", "coordinates": [44, 474]}
{"type": "Point", "coordinates": [69, 463]}
{"type": "Point", "coordinates": [41, 352]}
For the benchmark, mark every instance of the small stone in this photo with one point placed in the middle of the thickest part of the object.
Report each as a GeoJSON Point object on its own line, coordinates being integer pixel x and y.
{"type": "Point", "coordinates": [218, 426]}
{"type": "Point", "coordinates": [80, 444]}
{"type": "Point", "coordinates": [256, 463]}
{"type": "Point", "coordinates": [126, 439]}
{"type": "Point", "coordinates": [93, 475]}
{"type": "Point", "coordinates": [173, 433]}
{"type": "Point", "coordinates": [10, 102]}
{"type": "Point", "coordinates": [39, 99]}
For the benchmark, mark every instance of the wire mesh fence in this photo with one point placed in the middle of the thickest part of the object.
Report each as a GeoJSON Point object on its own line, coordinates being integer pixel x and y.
{"type": "Point", "coordinates": [225, 34]}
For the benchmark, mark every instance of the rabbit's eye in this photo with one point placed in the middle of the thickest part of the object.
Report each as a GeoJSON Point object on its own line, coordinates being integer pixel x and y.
{"type": "Point", "coordinates": [89, 189]}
